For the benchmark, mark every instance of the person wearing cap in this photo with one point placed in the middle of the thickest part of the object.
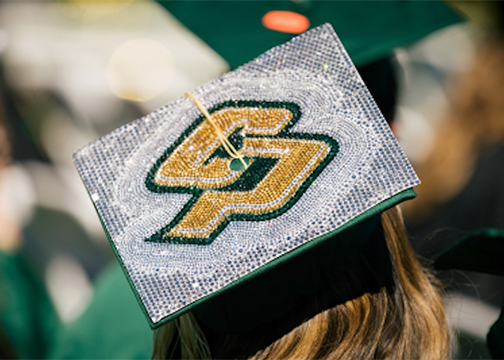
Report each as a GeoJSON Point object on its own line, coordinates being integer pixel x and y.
{"type": "Point", "coordinates": [282, 238]}
{"type": "Point", "coordinates": [120, 330]}
{"type": "Point", "coordinates": [382, 305]}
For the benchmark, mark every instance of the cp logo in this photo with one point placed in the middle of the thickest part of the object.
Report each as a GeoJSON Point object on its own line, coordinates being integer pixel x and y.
{"type": "Point", "coordinates": [281, 165]}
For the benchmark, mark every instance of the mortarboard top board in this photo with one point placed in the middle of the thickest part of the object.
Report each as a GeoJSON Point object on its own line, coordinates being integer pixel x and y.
{"type": "Point", "coordinates": [482, 251]}
{"type": "Point", "coordinates": [189, 223]}
{"type": "Point", "coordinates": [369, 30]}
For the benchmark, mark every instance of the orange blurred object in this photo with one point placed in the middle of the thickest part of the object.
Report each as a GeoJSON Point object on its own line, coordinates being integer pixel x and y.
{"type": "Point", "coordinates": [286, 21]}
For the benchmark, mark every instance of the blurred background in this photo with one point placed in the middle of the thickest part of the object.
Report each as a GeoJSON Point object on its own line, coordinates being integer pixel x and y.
{"type": "Point", "coordinates": [72, 71]}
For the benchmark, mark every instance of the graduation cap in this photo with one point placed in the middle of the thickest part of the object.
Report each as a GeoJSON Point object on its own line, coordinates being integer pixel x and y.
{"type": "Point", "coordinates": [281, 162]}
{"type": "Point", "coordinates": [481, 251]}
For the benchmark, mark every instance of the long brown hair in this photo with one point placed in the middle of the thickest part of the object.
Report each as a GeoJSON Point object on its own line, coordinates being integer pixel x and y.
{"type": "Point", "coordinates": [405, 322]}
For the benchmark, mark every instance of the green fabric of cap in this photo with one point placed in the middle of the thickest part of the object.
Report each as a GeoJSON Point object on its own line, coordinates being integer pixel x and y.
{"type": "Point", "coordinates": [369, 30]}
{"type": "Point", "coordinates": [481, 251]}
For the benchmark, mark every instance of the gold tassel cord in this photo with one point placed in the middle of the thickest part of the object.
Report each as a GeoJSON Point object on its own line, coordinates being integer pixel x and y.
{"type": "Point", "coordinates": [230, 149]}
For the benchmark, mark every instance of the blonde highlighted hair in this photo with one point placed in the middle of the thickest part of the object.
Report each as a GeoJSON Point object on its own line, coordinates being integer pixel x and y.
{"type": "Point", "coordinates": [406, 322]}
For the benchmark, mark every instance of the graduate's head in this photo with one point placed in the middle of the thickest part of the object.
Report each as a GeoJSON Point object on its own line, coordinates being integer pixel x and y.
{"type": "Point", "coordinates": [383, 304]}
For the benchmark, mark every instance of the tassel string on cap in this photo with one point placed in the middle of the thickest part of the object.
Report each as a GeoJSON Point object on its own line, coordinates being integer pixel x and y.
{"type": "Point", "coordinates": [226, 144]}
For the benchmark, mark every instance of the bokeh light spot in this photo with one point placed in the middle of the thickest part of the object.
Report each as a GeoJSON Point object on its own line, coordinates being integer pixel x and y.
{"type": "Point", "coordinates": [286, 21]}
{"type": "Point", "coordinates": [140, 70]}
{"type": "Point", "coordinates": [99, 8]}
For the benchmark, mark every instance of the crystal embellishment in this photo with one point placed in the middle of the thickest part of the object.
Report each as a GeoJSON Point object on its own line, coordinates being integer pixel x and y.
{"type": "Point", "coordinates": [185, 222]}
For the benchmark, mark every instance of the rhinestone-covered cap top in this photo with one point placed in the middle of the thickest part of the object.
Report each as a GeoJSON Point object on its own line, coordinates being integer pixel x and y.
{"type": "Point", "coordinates": [186, 221]}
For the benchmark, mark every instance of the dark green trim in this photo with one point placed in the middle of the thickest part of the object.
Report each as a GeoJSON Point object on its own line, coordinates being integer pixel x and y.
{"type": "Point", "coordinates": [247, 181]}
{"type": "Point", "coordinates": [377, 209]}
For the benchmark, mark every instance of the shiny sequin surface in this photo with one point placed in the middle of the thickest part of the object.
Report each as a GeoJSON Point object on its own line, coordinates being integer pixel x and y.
{"type": "Point", "coordinates": [185, 223]}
